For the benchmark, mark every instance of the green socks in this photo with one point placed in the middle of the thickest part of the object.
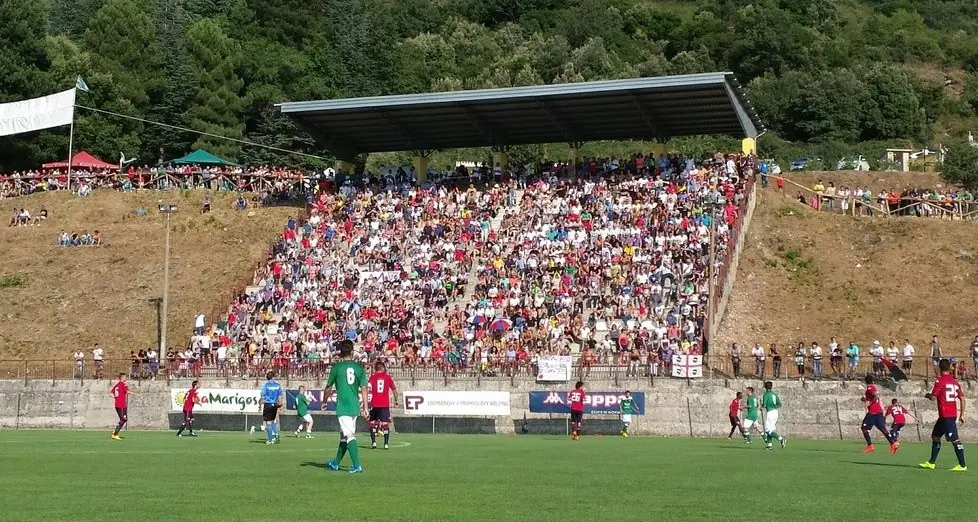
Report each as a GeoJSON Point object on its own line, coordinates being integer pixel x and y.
{"type": "Point", "coordinates": [354, 452]}
{"type": "Point", "coordinates": [341, 452]}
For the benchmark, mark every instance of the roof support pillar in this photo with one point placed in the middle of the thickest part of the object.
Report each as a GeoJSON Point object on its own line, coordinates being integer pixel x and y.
{"type": "Point", "coordinates": [345, 167]}
{"type": "Point", "coordinates": [419, 162]}
{"type": "Point", "coordinates": [575, 153]}
{"type": "Point", "coordinates": [658, 150]}
{"type": "Point", "coordinates": [500, 157]}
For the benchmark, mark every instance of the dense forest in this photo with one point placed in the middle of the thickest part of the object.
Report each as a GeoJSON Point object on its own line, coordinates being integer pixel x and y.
{"type": "Point", "coordinates": [835, 76]}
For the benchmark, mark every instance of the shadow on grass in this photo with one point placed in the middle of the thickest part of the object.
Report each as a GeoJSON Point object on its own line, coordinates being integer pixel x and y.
{"type": "Point", "coordinates": [311, 464]}
{"type": "Point", "coordinates": [886, 464]}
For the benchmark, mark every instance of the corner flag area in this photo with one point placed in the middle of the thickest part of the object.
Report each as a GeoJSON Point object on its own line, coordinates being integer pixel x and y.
{"type": "Point", "coordinates": [80, 476]}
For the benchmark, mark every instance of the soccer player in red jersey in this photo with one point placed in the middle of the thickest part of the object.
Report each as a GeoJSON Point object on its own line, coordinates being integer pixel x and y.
{"type": "Point", "coordinates": [899, 414]}
{"type": "Point", "coordinates": [188, 410]}
{"type": "Point", "coordinates": [874, 417]}
{"type": "Point", "coordinates": [947, 392]}
{"type": "Point", "coordinates": [120, 393]}
{"type": "Point", "coordinates": [734, 414]}
{"type": "Point", "coordinates": [381, 386]}
{"type": "Point", "coordinates": [576, 400]}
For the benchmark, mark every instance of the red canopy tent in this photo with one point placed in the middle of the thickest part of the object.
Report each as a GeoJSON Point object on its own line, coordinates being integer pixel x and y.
{"type": "Point", "coordinates": [82, 160]}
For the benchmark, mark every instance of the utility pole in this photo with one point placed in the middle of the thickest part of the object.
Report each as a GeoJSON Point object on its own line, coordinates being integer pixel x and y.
{"type": "Point", "coordinates": [166, 210]}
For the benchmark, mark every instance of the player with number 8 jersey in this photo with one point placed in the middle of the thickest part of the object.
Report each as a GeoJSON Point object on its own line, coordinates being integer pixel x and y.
{"type": "Point", "coordinates": [349, 380]}
{"type": "Point", "coordinates": [381, 386]}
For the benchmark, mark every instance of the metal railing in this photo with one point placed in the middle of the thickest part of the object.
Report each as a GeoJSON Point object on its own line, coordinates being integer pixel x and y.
{"type": "Point", "coordinates": [714, 367]}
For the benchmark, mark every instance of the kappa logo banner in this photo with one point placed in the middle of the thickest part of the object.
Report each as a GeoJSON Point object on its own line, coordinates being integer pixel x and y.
{"type": "Point", "coordinates": [315, 398]}
{"type": "Point", "coordinates": [554, 368]}
{"type": "Point", "coordinates": [594, 402]}
{"type": "Point", "coordinates": [687, 366]}
{"type": "Point", "coordinates": [218, 400]}
{"type": "Point", "coordinates": [456, 403]}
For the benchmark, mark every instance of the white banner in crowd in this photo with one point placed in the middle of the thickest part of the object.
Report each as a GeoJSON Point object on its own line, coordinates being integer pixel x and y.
{"type": "Point", "coordinates": [554, 368]}
{"type": "Point", "coordinates": [456, 403]}
{"type": "Point", "coordinates": [37, 113]}
{"type": "Point", "coordinates": [687, 366]}
{"type": "Point", "coordinates": [218, 400]}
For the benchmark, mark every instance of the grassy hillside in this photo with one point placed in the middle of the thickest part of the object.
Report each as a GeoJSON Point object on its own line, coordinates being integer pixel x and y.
{"type": "Point", "coordinates": [807, 277]}
{"type": "Point", "coordinates": [54, 299]}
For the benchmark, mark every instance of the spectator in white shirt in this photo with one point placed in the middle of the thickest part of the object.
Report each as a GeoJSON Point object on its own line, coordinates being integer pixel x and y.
{"type": "Point", "coordinates": [759, 359]}
{"type": "Point", "coordinates": [98, 357]}
{"type": "Point", "coordinates": [908, 352]}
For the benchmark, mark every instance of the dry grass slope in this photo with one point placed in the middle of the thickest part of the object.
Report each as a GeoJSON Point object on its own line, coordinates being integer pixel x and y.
{"type": "Point", "coordinates": [54, 299]}
{"type": "Point", "coordinates": [806, 277]}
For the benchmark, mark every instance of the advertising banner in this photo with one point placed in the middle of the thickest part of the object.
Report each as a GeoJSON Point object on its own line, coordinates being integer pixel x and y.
{"type": "Point", "coordinates": [218, 400]}
{"type": "Point", "coordinates": [456, 403]}
{"type": "Point", "coordinates": [594, 402]}
{"type": "Point", "coordinates": [315, 398]}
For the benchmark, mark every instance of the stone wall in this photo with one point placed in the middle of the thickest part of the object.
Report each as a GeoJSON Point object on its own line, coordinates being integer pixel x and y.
{"type": "Point", "coordinates": [824, 410]}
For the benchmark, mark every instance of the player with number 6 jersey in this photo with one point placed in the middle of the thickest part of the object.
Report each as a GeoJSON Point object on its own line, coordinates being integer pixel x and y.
{"type": "Point", "coordinates": [380, 386]}
{"type": "Point", "coordinates": [947, 392]}
{"type": "Point", "coordinates": [350, 382]}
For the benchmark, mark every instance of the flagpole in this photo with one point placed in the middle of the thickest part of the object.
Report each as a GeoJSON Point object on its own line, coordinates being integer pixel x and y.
{"type": "Point", "coordinates": [71, 146]}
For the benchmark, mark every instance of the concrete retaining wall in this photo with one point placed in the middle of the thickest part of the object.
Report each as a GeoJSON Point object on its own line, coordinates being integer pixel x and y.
{"type": "Point", "coordinates": [825, 410]}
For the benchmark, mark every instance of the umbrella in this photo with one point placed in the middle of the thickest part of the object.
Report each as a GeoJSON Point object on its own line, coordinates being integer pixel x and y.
{"type": "Point", "coordinates": [501, 324]}
{"type": "Point", "coordinates": [477, 319]}
{"type": "Point", "coordinates": [895, 371]}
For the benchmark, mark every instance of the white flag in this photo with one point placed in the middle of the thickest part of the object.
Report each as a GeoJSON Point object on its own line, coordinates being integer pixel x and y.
{"type": "Point", "coordinates": [37, 113]}
{"type": "Point", "coordinates": [687, 366]}
{"type": "Point", "coordinates": [80, 84]}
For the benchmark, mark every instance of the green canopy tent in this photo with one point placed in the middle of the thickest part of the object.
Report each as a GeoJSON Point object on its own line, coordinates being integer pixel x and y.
{"type": "Point", "coordinates": [201, 157]}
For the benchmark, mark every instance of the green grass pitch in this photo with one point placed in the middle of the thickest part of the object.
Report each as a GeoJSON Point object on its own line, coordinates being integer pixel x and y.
{"type": "Point", "coordinates": [154, 476]}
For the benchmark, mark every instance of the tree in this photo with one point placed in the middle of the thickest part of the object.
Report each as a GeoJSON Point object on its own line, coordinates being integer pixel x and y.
{"type": "Point", "coordinates": [891, 108]}
{"type": "Point", "coordinates": [217, 101]}
{"type": "Point", "coordinates": [24, 74]}
{"type": "Point", "coordinates": [960, 165]}
{"type": "Point", "coordinates": [122, 41]}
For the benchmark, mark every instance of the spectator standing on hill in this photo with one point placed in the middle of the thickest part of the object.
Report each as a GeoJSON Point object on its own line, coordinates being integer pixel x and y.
{"type": "Point", "coordinates": [79, 357]}
{"type": "Point", "coordinates": [935, 350]}
{"type": "Point", "coordinates": [776, 360]}
{"type": "Point", "coordinates": [816, 353]}
{"type": "Point", "coordinates": [893, 353]}
{"type": "Point", "coordinates": [98, 359]}
{"type": "Point", "coordinates": [974, 353]}
{"type": "Point", "coordinates": [877, 352]}
{"type": "Point", "coordinates": [154, 362]}
{"type": "Point", "coordinates": [800, 359]}
{"type": "Point", "coordinates": [835, 357]}
{"type": "Point", "coordinates": [908, 353]}
{"type": "Point", "coordinates": [852, 353]}
{"type": "Point", "coordinates": [759, 358]}
{"type": "Point", "coordinates": [199, 324]}
{"type": "Point", "coordinates": [735, 359]}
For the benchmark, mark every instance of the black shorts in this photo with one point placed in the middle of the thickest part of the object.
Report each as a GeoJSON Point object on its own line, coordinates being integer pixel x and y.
{"type": "Point", "coordinates": [895, 428]}
{"type": "Point", "coordinates": [269, 412]}
{"type": "Point", "coordinates": [380, 414]}
{"type": "Point", "coordinates": [188, 417]}
{"type": "Point", "coordinates": [577, 416]}
{"type": "Point", "coordinates": [947, 428]}
{"type": "Point", "coordinates": [734, 421]}
{"type": "Point", "coordinates": [874, 420]}
{"type": "Point", "coordinates": [907, 365]}
{"type": "Point", "coordinates": [123, 413]}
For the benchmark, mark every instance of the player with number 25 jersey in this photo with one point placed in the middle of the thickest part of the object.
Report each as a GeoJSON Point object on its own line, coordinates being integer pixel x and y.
{"type": "Point", "coordinates": [947, 392]}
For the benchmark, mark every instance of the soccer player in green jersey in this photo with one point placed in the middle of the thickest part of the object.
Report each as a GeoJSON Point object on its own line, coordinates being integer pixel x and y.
{"type": "Point", "coordinates": [627, 405]}
{"type": "Point", "coordinates": [302, 411]}
{"type": "Point", "coordinates": [771, 402]}
{"type": "Point", "coordinates": [350, 381]}
{"type": "Point", "coordinates": [752, 405]}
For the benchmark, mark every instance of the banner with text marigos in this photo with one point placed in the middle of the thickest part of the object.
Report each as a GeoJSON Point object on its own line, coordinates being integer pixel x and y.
{"type": "Point", "coordinates": [218, 400]}
{"type": "Point", "coordinates": [315, 398]}
{"type": "Point", "coordinates": [554, 368]}
{"type": "Point", "coordinates": [594, 402]}
{"type": "Point", "coordinates": [456, 403]}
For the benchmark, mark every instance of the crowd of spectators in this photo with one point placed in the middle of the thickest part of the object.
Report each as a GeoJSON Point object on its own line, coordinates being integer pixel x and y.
{"type": "Point", "coordinates": [74, 239]}
{"type": "Point", "coordinates": [23, 218]}
{"type": "Point", "coordinates": [609, 259]}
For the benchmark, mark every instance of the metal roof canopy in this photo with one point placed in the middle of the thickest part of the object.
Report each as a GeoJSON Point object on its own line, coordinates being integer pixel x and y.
{"type": "Point", "coordinates": [641, 108]}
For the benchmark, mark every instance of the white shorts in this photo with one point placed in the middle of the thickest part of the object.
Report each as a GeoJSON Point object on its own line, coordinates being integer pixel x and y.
{"type": "Point", "coordinates": [307, 418]}
{"type": "Point", "coordinates": [626, 418]}
{"type": "Point", "coordinates": [747, 423]}
{"type": "Point", "coordinates": [348, 427]}
{"type": "Point", "coordinates": [771, 421]}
